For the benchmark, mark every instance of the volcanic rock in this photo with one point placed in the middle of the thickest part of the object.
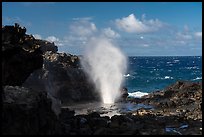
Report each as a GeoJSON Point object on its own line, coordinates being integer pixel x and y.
{"type": "Point", "coordinates": [28, 112]}
{"type": "Point", "coordinates": [63, 78]}
{"type": "Point", "coordinates": [21, 54]}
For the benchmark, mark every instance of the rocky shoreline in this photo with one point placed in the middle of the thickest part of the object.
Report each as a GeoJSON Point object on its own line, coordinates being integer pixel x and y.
{"type": "Point", "coordinates": [35, 77]}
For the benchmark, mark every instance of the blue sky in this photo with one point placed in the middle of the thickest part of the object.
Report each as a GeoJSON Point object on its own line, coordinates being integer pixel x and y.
{"type": "Point", "coordinates": [137, 28]}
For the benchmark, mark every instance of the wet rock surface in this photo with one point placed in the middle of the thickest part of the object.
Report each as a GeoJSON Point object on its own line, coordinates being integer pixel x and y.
{"type": "Point", "coordinates": [132, 124]}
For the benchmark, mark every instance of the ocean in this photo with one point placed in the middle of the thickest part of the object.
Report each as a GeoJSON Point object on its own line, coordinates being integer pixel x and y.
{"type": "Point", "coordinates": [151, 73]}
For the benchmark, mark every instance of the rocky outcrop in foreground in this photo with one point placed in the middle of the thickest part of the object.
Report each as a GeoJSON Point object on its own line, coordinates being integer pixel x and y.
{"type": "Point", "coordinates": [183, 117]}
{"type": "Point", "coordinates": [25, 107]}
{"type": "Point", "coordinates": [28, 112]}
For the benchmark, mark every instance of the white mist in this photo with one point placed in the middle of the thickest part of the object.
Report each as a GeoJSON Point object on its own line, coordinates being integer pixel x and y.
{"type": "Point", "coordinates": [105, 64]}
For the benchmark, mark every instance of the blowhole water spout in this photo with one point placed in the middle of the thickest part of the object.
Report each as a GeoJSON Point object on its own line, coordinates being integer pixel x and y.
{"type": "Point", "coordinates": [105, 64]}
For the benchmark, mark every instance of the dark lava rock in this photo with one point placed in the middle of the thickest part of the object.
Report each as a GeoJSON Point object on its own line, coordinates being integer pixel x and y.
{"type": "Point", "coordinates": [18, 64]}
{"type": "Point", "coordinates": [63, 78]}
{"type": "Point", "coordinates": [181, 98]}
{"type": "Point", "coordinates": [21, 54]}
{"type": "Point", "coordinates": [28, 112]}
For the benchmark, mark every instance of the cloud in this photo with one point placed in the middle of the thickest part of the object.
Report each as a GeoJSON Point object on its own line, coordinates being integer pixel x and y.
{"type": "Point", "coordinates": [198, 34]}
{"type": "Point", "coordinates": [183, 36]}
{"type": "Point", "coordinates": [131, 24]}
{"type": "Point", "coordinates": [83, 28]}
{"type": "Point", "coordinates": [145, 45]}
{"type": "Point", "coordinates": [52, 39]}
{"type": "Point", "coordinates": [37, 36]}
{"type": "Point", "coordinates": [80, 30]}
{"type": "Point", "coordinates": [187, 37]}
{"type": "Point", "coordinates": [58, 42]}
{"type": "Point", "coordinates": [108, 32]}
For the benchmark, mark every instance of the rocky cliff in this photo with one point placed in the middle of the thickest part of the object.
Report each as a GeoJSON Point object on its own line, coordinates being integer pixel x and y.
{"type": "Point", "coordinates": [63, 78]}
{"type": "Point", "coordinates": [21, 54]}
{"type": "Point", "coordinates": [48, 78]}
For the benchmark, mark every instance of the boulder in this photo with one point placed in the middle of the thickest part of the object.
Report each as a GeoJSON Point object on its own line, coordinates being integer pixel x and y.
{"type": "Point", "coordinates": [28, 112]}
{"type": "Point", "coordinates": [63, 78]}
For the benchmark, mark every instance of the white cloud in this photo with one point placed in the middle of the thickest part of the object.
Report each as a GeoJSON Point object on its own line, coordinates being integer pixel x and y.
{"type": "Point", "coordinates": [145, 45]}
{"type": "Point", "coordinates": [186, 28]}
{"type": "Point", "coordinates": [110, 33]}
{"type": "Point", "coordinates": [37, 36]}
{"type": "Point", "coordinates": [83, 28]}
{"type": "Point", "coordinates": [133, 25]}
{"type": "Point", "coordinates": [183, 36]}
{"type": "Point", "coordinates": [198, 34]}
{"type": "Point", "coordinates": [52, 39]}
{"type": "Point", "coordinates": [130, 24]}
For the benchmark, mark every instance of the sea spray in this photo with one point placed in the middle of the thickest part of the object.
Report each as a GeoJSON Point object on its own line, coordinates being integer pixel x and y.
{"type": "Point", "coordinates": [105, 64]}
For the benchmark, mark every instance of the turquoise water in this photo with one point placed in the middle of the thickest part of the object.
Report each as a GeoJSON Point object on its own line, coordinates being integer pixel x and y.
{"type": "Point", "coordinates": [147, 74]}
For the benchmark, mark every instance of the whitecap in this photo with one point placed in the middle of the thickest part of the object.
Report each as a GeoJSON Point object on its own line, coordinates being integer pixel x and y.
{"type": "Point", "coordinates": [198, 78]}
{"type": "Point", "coordinates": [176, 60]}
{"type": "Point", "coordinates": [192, 67]}
{"type": "Point", "coordinates": [137, 94]}
{"type": "Point", "coordinates": [167, 77]}
{"type": "Point", "coordinates": [170, 65]}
